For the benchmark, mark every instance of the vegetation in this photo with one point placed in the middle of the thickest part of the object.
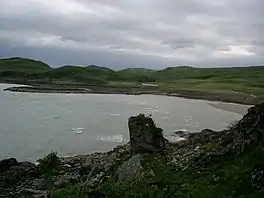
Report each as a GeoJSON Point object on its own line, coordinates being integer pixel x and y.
{"type": "Point", "coordinates": [50, 163]}
{"type": "Point", "coordinates": [22, 64]}
{"type": "Point", "coordinates": [228, 164]}
{"type": "Point", "coordinates": [233, 175]}
{"type": "Point", "coordinates": [248, 80]}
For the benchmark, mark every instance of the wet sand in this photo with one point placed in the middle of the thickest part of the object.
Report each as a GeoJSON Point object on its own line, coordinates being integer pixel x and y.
{"type": "Point", "coordinates": [231, 107]}
{"type": "Point", "coordinates": [223, 96]}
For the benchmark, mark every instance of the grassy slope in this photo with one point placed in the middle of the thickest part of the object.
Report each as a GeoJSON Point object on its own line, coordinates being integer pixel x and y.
{"type": "Point", "coordinates": [244, 79]}
{"type": "Point", "coordinates": [23, 65]}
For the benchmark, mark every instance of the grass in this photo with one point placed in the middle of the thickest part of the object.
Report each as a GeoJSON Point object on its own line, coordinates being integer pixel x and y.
{"type": "Point", "coordinates": [228, 176]}
{"type": "Point", "coordinates": [240, 79]}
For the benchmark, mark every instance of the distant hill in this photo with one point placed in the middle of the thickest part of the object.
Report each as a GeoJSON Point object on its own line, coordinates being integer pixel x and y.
{"type": "Point", "coordinates": [245, 79]}
{"type": "Point", "coordinates": [22, 64]}
{"type": "Point", "coordinates": [99, 69]}
{"type": "Point", "coordinates": [206, 73]}
{"type": "Point", "coordinates": [136, 71]}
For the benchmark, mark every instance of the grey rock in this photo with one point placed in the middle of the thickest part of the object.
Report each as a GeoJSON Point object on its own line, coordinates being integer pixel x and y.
{"type": "Point", "coordinates": [129, 169]}
{"type": "Point", "coordinates": [33, 193]}
{"type": "Point", "coordinates": [144, 135]}
{"type": "Point", "coordinates": [182, 134]}
{"type": "Point", "coordinates": [65, 180]}
{"type": "Point", "coordinates": [205, 136]}
{"type": "Point", "coordinates": [96, 180]}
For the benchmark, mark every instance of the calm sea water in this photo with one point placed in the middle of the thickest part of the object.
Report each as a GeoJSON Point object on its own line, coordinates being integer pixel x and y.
{"type": "Point", "coordinates": [32, 125]}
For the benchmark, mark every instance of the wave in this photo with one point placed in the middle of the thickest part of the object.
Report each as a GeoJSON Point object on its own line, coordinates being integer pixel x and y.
{"type": "Point", "coordinates": [111, 114]}
{"type": "Point", "coordinates": [114, 114]}
{"type": "Point", "coordinates": [79, 130]}
{"type": "Point", "coordinates": [113, 138]}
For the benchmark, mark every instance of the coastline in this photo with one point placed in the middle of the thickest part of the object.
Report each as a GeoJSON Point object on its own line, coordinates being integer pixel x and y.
{"type": "Point", "coordinates": [221, 96]}
{"type": "Point", "coordinates": [203, 160]}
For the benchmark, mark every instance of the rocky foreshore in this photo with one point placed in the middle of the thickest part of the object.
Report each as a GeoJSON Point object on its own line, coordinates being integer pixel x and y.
{"type": "Point", "coordinates": [205, 164]}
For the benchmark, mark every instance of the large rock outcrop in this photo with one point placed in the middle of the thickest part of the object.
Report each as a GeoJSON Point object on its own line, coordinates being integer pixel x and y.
{"type": "Point", "coordinates": [145, 136]}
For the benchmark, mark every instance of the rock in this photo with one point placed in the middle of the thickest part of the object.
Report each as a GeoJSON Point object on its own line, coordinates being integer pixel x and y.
{"type": "Point", "coordinates": [182, 134]}
{"type": "Point", "coordinates": [257, 178]}
{"type": "Point", "coordinates": [5, 193]}
{"type": "Point", "coordinates": [17, 176]}
{"type": "Point", "coordinates": [65, 180]}
{"type": "Point", "coordinates": [33, 193]}
{"type": "Point", "coordinates": [7, 163]}
{"type": "Point", "coordinates": [129, 169]}
{"type": "Point", "coordinates": [144, 135]}
{"type": "Point", "coordinates": [39, 184]}
{"type": "Point", "coordinates": [203, 137]}
{"type": "Point", "coordinates": [95, 181]}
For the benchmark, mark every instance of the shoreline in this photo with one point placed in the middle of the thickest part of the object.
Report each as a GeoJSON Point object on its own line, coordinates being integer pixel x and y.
{"type": "Point", "coordinates": [199, 159]}
{"type": "Point", "coordinates": [220, 96]}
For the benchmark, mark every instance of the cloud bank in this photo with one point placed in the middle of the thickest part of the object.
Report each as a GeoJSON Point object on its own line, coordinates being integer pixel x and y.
{"type": "Point", "coordinates": [134, 33]}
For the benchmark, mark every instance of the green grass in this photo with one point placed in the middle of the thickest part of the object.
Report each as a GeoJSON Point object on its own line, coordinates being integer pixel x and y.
{"type": "Point", "coordinates": [242, 79]}
{"type": "Point", "coordinates": [228, 176]}
{"type": "Point", "coordinates": [22, 64]}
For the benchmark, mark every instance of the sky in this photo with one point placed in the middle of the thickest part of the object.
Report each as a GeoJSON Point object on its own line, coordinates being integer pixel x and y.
{"type": "Point", "coordinates": [134, 33]}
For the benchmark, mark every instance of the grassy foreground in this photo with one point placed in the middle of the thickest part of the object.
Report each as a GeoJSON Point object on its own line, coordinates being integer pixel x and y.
{"type": "Point", "coordinates": [217, 164]}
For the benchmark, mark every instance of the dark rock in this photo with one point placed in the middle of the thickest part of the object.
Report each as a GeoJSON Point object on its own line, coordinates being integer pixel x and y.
{"type": "Point", "coordinates": [7, 163]}
{"type": "Point", "coordinates": [203, 137]}
{"type": "Point", "coordinates": [182, 134]}
{"type": "Point", "coordinates": [257, 178]}
{"type": "Point", "coordinates": [250, 129]}
{"type": "Point", "coordinates": [5, 193]}
{"type": "Point", "coordinates": [18, 173]}
{"type": "Point", "coordinates": [144, 135]}
{"type": "Point", "coordinates": [33, 193]}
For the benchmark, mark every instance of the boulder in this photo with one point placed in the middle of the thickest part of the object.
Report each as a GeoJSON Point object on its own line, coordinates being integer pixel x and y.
{"type": "Point", "coordinates": [65, 180]}
{"type": "Point", "coordinates": [182, 134]}
{"type": "Point", "coordinates": [129, 169]}
{"type": "Point", "coordinates": [7, 163]}
{"type": "Point", "coordinates": [203, 137]}
{"type": "Point", "coordinates": [145, 136]}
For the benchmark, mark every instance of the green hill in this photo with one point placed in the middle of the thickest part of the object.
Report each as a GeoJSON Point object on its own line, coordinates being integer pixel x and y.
{"type": "Point", "coordinates": [99, 69]}
{"type": "Point", "coordinates": [241, 79]}
{"type": "Point", "coordinates": [73, 74]}
{"type": "Point", "coordinates": [22, 64]}
{"type": "Point", "coordinates": [136, 71]}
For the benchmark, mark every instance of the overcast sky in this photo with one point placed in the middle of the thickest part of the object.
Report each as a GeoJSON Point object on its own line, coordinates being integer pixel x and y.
{"type": "Point", "coordinates": [134, 33]}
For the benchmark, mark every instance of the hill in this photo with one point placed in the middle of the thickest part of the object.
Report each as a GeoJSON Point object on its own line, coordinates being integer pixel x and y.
{"type": "Point", "coordinates": [99, 69]}
{"type": "Point", "coordinates": [249, 80]}
{"type": "Point", "coordinates": [136, 71]}
{"type": "Point", "coordinates": [23, 65]}
{"type": "Point", "coordinates": [137, 74]}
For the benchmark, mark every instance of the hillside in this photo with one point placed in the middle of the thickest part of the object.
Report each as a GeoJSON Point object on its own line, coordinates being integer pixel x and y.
{"type": "Point", "coordinates": [23, 65]}
{"type": "Point", "coordinates": [249, 80]}
{"type": "Point", "coordinates": [140, 71]}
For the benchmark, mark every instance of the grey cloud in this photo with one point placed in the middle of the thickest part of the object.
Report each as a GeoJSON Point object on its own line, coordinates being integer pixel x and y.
{"type": "Point", "coordinates": [149, 33]}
